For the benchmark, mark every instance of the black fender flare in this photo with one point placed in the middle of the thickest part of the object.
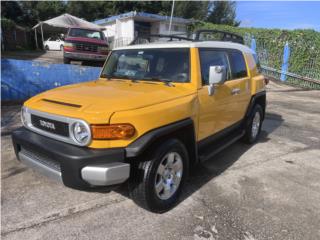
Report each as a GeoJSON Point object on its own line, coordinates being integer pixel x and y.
{"type": "Point", "coordinates": [142, 143]}
{"type": "Point", "coordinates": [254, 100]}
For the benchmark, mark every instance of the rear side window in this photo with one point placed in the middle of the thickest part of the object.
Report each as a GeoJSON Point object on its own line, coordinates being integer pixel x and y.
{"type": "Point", "coordinates": [256, 59]}
{"type": "Point", "coordinates": [238, 65]}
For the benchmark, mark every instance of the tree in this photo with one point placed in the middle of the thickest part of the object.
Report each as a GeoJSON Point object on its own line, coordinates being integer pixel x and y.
{"type": "Point", "coordinates": [90, 10]}
{"type": "Point", "coordinates": [222, 12]}
{"type": "Point", "coordinates": [50, 9]}
{"type": "Point", "coordinates": [186, 9]}
{"type": "Point", "coordinates": [10, 10]}
{"type": "Point", "coordinates": [29, 13]}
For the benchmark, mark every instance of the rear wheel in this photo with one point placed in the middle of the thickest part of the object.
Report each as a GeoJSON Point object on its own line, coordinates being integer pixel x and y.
{"type": "Point", "coordinates": [253, 125]}
{"type": "Point", "coordinates": [46, 47]}
{"type": "Point", "coordinates": [156, 183]}
{"type": "Point", "coordinates": [61, 47]}
{"type": "Point", "coordinates": [66, 60]}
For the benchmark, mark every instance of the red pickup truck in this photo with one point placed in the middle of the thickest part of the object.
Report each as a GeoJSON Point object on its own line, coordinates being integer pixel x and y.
{"type": "Point", "coordinates": [85, 45]}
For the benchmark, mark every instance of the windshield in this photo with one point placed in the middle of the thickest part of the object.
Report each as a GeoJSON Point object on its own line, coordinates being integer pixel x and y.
{"type": "Point", "coordinates": [160, 64]}
{"type": "Point", "coordinates": [77, 32]}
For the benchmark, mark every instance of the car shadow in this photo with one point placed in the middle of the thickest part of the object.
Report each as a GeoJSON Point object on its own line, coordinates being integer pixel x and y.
{"type": "Point", "coordinates": [92, 63]}
{"type": "Point", "coordinates": [205, 172]}
{"type": "Point", "coordinates": [23, 55]}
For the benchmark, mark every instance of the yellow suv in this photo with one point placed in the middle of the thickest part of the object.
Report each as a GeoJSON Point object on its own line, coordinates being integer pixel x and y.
{"type": "Point", "coordinates": [156, 110]}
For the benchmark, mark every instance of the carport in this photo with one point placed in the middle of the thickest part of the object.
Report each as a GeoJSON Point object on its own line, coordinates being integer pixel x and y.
{"type": "Point", "coordinates": [61, 24]}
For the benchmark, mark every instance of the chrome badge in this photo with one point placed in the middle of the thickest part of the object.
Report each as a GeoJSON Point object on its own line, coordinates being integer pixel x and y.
{"type": "Point", "coordinates": [47, 124]}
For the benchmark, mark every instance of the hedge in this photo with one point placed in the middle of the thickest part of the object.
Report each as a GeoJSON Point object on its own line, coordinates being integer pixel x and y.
{"type": "Point", "coordinates": [304, 46]}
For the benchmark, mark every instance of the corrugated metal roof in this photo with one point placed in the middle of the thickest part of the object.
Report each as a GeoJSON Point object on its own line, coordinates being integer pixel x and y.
{"type": "Point", "coordinates": [151, 16]}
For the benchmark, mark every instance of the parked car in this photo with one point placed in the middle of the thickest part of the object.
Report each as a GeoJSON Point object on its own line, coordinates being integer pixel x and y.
{"type": "Point", "coordinates": [85, 45]}
{"type": "Point", "coordinates": [54, 43]}
{"type": "Point", "coordinates": [156, 111]}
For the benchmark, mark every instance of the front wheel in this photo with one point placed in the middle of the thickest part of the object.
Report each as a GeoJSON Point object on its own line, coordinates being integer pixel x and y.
{"type": "Point", "coordinates": [253, 125]}
{"type": "Point", "coordinates": [156, 183]}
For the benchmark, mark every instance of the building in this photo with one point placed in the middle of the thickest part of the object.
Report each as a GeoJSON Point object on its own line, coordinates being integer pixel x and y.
{"type": "Point", "coordinates": [122, 29]}
{"type": "Point", "coordinates": [14, 37]}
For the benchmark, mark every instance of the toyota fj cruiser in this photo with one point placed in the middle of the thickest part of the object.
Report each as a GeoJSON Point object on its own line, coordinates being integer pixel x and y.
{"type": "Point", "coordinates": [156, 110]}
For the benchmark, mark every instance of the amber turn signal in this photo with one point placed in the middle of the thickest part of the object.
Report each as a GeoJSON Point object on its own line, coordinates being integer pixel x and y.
{"type": "Point", "coordinates": [112, 131]}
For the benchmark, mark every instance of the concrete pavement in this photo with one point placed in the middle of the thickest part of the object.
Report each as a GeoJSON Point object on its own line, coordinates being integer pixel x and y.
{"type": "Point", "coordinates": [270, 190]}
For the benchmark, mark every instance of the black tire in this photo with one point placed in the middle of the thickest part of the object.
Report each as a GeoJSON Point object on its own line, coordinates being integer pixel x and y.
{"type": "Point", "coordinates": [66, 60]}
{"type": "Point", "coordinates": [143, 178]}
{"type": "Point", "coordinates": [249, 136]}
{"type": "Point", "coordinates": [61, 47]}
{"type": "Point", "coordinates": [46, 47]}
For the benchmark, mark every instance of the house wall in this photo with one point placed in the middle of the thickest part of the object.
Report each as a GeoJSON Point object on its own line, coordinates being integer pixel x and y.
{"type": "Point", "coordinates": [176, 28]}
{"type": "Point", "coordinates": [15, 38]}
{"type": "Point", "coordinates": [110, 30]}
{"type": "Point", "coordinates": [127, 28]}
{"type": "Point", "coordinates": [123, 28]}
{"type": "Point", "coordinates": [121, 32]}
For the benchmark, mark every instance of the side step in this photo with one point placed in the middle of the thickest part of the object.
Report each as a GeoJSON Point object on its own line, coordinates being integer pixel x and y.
{"type": "Point", "coordinates": [212, 149]}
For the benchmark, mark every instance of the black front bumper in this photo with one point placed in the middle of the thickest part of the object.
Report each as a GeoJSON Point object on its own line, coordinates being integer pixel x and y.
{"type": "Point", "coordinates": [70, 158]}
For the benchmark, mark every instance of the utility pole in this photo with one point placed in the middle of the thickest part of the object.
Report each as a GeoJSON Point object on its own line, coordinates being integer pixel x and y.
{"type": "Point", "coordinates": [172, 9]}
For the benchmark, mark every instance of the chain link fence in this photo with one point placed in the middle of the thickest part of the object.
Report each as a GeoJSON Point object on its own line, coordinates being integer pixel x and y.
{"type": "Point", "coordinates": [303, 63]}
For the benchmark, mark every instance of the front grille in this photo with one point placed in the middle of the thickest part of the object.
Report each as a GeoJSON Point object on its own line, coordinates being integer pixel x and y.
{"type": "Point", "coordinates": [41, 158]}
{"type": "Point", "coordinates": [86, 47]}
{"type": "Point", "coordinates": [51, 126]}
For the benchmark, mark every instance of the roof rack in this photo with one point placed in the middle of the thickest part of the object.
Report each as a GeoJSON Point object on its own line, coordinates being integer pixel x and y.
{"type": "Point", "coordinates": [171, 37]}
{"type": "Point", "coordinates": [226, 36]}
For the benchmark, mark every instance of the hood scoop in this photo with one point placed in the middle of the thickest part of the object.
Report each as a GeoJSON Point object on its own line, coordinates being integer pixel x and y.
{"type": "Point", "coordinates": [62, 103]}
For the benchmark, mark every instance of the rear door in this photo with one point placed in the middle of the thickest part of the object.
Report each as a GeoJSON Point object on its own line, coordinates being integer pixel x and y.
{"type": "Point", "coordinates": [239, 84]}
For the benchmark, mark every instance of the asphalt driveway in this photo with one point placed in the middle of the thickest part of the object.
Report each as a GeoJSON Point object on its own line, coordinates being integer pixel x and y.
{"type": "Point", "coordinates": [267, 191]}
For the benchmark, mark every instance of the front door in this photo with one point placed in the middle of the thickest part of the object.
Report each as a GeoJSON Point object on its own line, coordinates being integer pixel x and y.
{"type": "Point", "coordinates": [226, 106]}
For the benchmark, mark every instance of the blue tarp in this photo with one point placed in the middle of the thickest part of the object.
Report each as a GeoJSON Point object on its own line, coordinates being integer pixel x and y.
{"type": "Point", "coordinates": [142, 14]}
{"type": "Point", "coordinates": [22, 79]}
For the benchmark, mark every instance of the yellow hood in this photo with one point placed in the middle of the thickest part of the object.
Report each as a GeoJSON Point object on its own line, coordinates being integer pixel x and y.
{"type": "Point", "coordinates": [96, 101]}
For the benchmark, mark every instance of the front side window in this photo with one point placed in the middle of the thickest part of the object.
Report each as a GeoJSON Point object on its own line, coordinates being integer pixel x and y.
{"type": "Point", "coordinates": [86, 33]}
{"type": "Point", "coordinates": [170, 65]}
{"type": "Point", "coordinates": [238, 65]}
{"type": "Point", "coordinates": [210, 57]}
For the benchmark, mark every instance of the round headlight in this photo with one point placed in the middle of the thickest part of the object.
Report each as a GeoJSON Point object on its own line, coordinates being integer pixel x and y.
{"type": "Point", "coordinates": [24, 115]}
{"type": "Point", "coordinates": [81, 133]}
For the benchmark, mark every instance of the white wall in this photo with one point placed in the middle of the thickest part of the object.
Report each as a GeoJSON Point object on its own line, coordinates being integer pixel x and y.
{"type": "Point", "coordinates": [110, 30]}
{"type": "Point", "coordinates": [127, 28]}
{"type": "Point", "coordinates": [120, 28]}
{"type": "Point", "coordinates": [121, 32]}
{"type": "Point", "coordinates": [176, 28]}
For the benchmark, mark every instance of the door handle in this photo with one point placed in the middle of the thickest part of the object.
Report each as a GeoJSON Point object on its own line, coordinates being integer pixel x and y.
{"type": "Point", "coordinates": [235, 91]}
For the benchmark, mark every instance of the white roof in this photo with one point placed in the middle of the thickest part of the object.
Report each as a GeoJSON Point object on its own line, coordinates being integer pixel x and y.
{"type": "Point", "coordinates": [189, 44]}
{"type": "Point", "coordinates": [67, 21]}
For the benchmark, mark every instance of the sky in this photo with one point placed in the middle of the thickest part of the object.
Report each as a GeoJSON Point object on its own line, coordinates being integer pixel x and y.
{"type": "Point", "coordinates": [279, 14]}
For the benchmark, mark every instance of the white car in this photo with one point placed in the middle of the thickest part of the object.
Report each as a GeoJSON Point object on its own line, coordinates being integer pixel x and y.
{"type": "Point", "coordinates": [53, 43]}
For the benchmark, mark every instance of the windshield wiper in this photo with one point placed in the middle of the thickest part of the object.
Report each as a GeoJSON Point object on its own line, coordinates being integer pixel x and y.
{"type": "Point", "coordinates": [110, 76]}
{"type": "Point", "coordinates": [107, 76]}
{"type": "Point", "coordinates": [166, 81]}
